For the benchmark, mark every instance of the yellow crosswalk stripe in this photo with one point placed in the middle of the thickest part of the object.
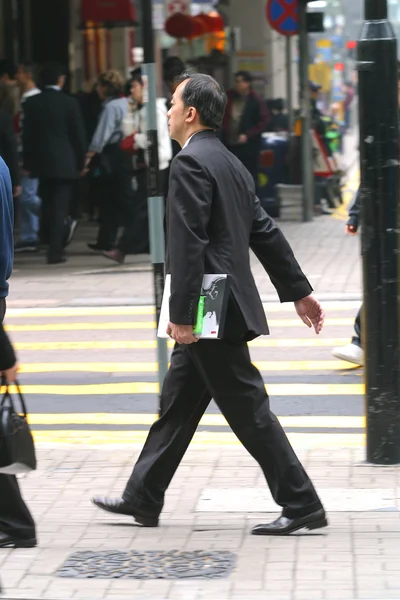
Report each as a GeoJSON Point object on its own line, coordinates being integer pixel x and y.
{"type": "Point", "coordinates": [206, 438]}
{"type": "Point", "coordinates": [266, 342]}
{"type": "Point", "coordinates": [152, 367]}
{"type": "Point", "coordinates": [210, 420]}
{"type": "Point", "coordinates": [141, 387]}
{"type": "Point", "coordinates": [115, 325]}
{"type": "Point", "coordinates": [104, 311]}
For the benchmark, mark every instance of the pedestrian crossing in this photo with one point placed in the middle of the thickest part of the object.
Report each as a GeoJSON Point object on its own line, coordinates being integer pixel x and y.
{"type": "Point", "coordinates": [89, 375]}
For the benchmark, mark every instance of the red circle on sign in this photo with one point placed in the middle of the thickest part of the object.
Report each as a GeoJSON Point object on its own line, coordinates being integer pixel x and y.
{"type": "Point", "coordinates": [289, 10]}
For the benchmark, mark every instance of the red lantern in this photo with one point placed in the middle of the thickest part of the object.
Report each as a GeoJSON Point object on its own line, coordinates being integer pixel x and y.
{"type": "Point", "coordinates": [179, 26]}
{"type": "Point", "coordinates": [198, 28]}
{"type": "Point", "coordinates": [207, 21]}
{"type": "Point", "coordinates": [217, 23]}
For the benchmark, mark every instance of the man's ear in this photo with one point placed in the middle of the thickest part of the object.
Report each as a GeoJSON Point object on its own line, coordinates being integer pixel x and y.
{"type": "Point", "coordinates": [191, 115]}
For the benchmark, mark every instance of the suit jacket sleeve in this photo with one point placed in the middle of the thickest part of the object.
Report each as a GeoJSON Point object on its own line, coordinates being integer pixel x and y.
{"type": "Point", "coordinates": [189, 207]}
{"type": "Point", "coordinates": [78, 134]}
{"type": "Point", "coordinates": [10, 150]}
{"type": "Point", "coordinates": [7, 354]}
{"type": "Point", "coordinates": [276, 256]}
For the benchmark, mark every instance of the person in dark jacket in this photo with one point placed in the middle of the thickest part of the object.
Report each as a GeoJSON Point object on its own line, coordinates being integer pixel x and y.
{"type": "Point", "coordinates": [245, 119]}
{"type": "Point", "coordinates": [17, 528]}
{"type": "Point", "coordinates": [9, 151]}
{"type": "Point", "coordinates": [54, 150]}
{"type": "Point", "coordinates": [353, 352]}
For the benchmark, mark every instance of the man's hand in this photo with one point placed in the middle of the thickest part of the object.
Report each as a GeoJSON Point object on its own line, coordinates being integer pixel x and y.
{"type": "Point", "coordinates": [183, 334]}
{"type": "Point", "coordinates": [351, 230]}
{"type": "Point", "coordinates": [11, 374]}
{"type": "Point", "coordinates": [310, 312]}
{"type": "Point", "coordinates": [17, 191]}
{"type": "Point", "coordinates": [243, 139]}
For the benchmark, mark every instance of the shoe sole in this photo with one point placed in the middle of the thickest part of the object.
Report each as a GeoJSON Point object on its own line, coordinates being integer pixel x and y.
{"type": "Point", "coordinates": [320, 524]}
{"type": "Point", "coordinates": [20, 544]}
{"type": "Point", "coordinates": [347, 359]}
{"type": "Point", "coordinates": [138, 520]}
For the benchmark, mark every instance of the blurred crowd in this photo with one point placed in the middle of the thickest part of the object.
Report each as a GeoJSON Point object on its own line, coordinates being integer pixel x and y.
{"type": "Point", "coordinates": [87, 153]}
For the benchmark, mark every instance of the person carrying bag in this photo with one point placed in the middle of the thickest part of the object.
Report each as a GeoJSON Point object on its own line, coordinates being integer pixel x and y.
{"type": "Point", "coordinates": [17, 527]}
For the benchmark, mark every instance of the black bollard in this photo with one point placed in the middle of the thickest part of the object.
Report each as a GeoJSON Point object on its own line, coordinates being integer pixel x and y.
{"type": "Point", "coordinates": [379, 150]}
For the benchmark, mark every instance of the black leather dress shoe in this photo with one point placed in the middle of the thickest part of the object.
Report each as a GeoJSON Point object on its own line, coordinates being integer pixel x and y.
{"type": "Point", "coordinates": [118, 506]}
{"type": "Point", "coordinates": [10, 541]}
{"type": "Point", "coordinates": [285, 526]}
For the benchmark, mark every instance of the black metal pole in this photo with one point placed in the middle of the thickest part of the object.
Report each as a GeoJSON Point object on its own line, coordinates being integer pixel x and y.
{"type": "Point", "coordinates": [305, 107]}
{"type": "Point", "coordinates": [379, 155]}
{"type": "Point", "coordinates": [155, 190]}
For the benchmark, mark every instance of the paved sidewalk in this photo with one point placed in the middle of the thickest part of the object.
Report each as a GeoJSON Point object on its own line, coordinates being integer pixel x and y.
{"type": "Point", "coordinates": [216, 497]}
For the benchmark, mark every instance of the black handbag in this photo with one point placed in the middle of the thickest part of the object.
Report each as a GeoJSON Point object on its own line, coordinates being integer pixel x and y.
{"type": "Point", "coordinates": [17, 449]}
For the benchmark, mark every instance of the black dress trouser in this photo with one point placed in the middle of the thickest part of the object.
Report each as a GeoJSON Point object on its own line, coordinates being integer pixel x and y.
{"type": "Point", "coordinates": [56, 195]}
{"type": "Point", "coordinates": [221, 370]}
{"type": "Point", "coordinates": [15, 518]}
{"type": "Point", "coordinates": [357, 328]}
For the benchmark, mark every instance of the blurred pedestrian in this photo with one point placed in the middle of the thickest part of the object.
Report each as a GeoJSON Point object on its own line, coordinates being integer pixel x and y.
{"type": "Point", "coordinates": [173, 66]}
{"type": "Point", "coordinates": [54, 149]}
{"type": "Point", "coordinates": [29, 201]}
{"type": "Point", "coordinates": [279, 120]}
{"type": "Point", "coordinates": [349, 95]}
{"type": "Point", "coordinates": [135, 237]}
{"type": "Point", "coordinates": [213, 218]}
{"type": "Point", "coordinates": [9, 151]}
{"type": "Point", "coordinates": [353, 352]}
{"type": "Point", "coordinates": [116, 167]}
{"type": "Point", "coordinates": [245, 119]}
{"type": "Point", "coordinates": [17, 528]}
{"type": "Point", "coordinates": [9, 89]}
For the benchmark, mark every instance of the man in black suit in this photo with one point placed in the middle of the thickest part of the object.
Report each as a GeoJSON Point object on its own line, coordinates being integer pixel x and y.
{"type": "Point", "coordinates": [54, 150]}
{"type": "Point", "coordinates": [213, 218]}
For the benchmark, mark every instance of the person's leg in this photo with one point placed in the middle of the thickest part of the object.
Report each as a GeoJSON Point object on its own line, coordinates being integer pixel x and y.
{"type": "Point", "coordinates": [16, 522]}
{"type": "Point", "coordinates": [29, 210]}
{"type": "Point", "coordinates": [238, 389]}
{"type": "Point", "coordinates": [60, 193]}
{"type": "Point", "coordinates": [184, 399]}
{"type": "Point", "coordinates": [45, 213]}
{"type": "Point", "coordinates": [352, 352]}
{"type": "Point", "coordinates": [135, 237]}
{"type": "Point", "coordinates": [357, 328]}
{"type": "Point", "coordinates": [108, 212]}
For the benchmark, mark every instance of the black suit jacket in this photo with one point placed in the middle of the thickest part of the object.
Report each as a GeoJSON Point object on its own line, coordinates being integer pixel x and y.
{"type": "Point", "coordinates": [213, 219]}
{"type": "Point", "coordinates": [54, 139]}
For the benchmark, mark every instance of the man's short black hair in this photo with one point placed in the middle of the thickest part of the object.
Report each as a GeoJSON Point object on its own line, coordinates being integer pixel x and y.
{"type": "Point", "coordinates": [51, 73]}
{"type": "Point", "coordinates": [7, 67]}
{"type": "Point", "coordinates": [206, 95]}
{"type": "Point", "coordinates": [245, 75]}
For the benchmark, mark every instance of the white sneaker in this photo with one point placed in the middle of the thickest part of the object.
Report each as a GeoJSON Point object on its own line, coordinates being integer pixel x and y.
{"type": "Point", "coordinates": [351, 353]}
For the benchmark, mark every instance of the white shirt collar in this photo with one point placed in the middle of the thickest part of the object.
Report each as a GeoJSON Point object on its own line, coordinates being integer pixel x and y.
{"type": "Point", "coordinates": [188, 140]}
{"type": "Point", "coordinates": [54, 87]}
{"type": "Point", "coordinates": [29, 93]}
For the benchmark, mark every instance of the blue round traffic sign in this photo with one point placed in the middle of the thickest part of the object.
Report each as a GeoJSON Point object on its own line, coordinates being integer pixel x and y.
{"type": "Point", "coordinates": [283, 16]}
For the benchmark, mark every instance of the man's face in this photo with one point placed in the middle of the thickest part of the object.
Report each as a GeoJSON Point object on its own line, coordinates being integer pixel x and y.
{"type": "Point", "coordinates": [137, 92]}
{"type": "Point", "coordinates": [178, 114]}
{"type": "Point", "coordinates": [241, 86]}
